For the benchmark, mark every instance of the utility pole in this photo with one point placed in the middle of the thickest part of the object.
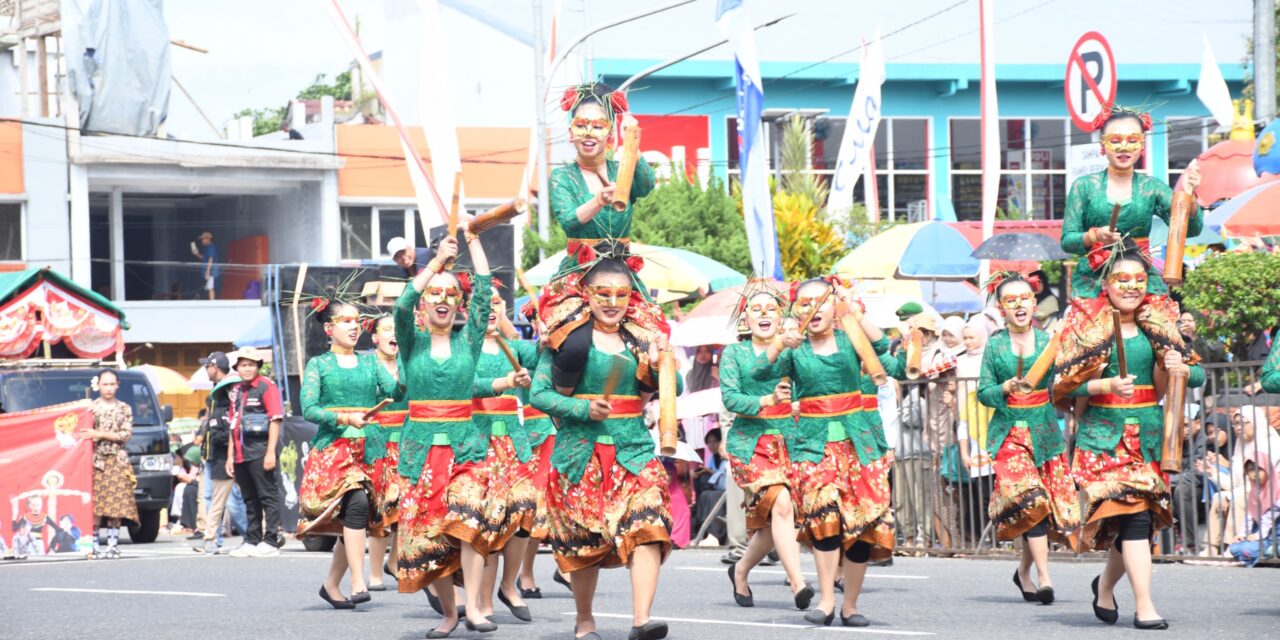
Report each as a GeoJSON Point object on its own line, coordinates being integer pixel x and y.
{"type": "Point", "coordinates": [590, 69]}
{"type": "Point", "coordinates": [1264, 59]}
{"type": "Point", "coordinates": [540, 107]}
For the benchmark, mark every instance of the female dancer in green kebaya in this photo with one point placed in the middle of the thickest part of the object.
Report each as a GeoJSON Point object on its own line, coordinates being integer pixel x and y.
{"type": "Point", "coordinates": [607, 500]}
{"type": "Point", "coordinates": [337, 494]}
{"type": "Point", "coordinates": [441, 452]}
{"type": "Point", "coordinates": [757, 447]}
{"type": "Point", "coordinates": [840, 461]}
{"type": "Point", "coordinates": [1034, 496]}
{"type": "Point", "coordinates": [387, 486]}
{"type": "Point", "coordinates": [1118, 443]}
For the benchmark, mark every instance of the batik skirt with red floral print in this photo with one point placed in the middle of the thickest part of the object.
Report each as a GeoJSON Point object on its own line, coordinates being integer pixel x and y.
{"type": "Point", "coordinates": [1025, 494]}
{"type": "Point", "coordinates": [839, 496]}
{"type": "Point", "coordinates": [328, 475]}
{"type": "Point", "coordinates": [762, 478]}
{"type": "Point", "coordinates": [1119, 483]}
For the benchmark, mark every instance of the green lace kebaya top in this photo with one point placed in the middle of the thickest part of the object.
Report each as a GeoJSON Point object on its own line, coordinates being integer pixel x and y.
{"type": "Point", "coordinates": [1088, 207]}
{"type": "Point", "coordinates": [446, 378]}
{"type": "Point", "coordinates": [540, 428]}
{"type": "Point", "coordinates": [326, 385]}
{"type": "Point", "coordinates": [740, 393]}
{"type": "Point", "coordinates": [569, 191]}
{"type": "Point", "coordinates": [1000, 364]}
{"type": "Point", "coordinates": [493, 366]}
{"type": "Point", "coordinates": [1271, 370]}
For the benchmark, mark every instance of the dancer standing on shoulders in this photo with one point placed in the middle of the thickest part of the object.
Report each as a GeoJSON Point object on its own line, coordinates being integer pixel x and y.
{"type": "Point", "coordinates": [1118, 444]}
{"type": "Point", "coordinates": [440, 443]}
{"type": "Point", "coordinates": [1034, 496]}
{"type": "Point", "coordinates": [608, 504]}
{"type": "Point", "coordinates": [757, 445]}
{"type": "Point", "coordinates": [337, 496]}
{"type": "Point", "coordinates": [387, 487]}
{"type": "Point", "coordinates": [840, 461]}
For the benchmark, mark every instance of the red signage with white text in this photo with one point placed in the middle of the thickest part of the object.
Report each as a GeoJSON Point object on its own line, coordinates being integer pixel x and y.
{"type": "Point", "coordinates": [46, 481]}
{"type": "Point", "coordinates": [660, 134]}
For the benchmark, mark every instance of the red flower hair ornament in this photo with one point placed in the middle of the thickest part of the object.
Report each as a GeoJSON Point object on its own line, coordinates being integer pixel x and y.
{"type": "Point", "coordinates": [464, 281]}
{"type": "Point", "coordinates": [635, 263]}
{"type": "Point", "coordinates": [318, 305]}
{"type": "Point", "coordinates": [568, 99]}
{"type": "Point", "coordinates": [1144, 118]}
{"type": "Point", "coordinates": [586, 254]}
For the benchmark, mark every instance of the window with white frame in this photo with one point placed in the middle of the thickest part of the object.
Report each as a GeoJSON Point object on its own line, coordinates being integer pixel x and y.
{"type": "Point", "coordinates": [901, 150]}
{"type": "Point", "coordinates": [1033, 166]}
{"type": "Point", "coordinates": [11, 232]}
{"type": "Point", "coordinates": [1187, 138]}
{"type": "Point", "coordinates": [367, 229]}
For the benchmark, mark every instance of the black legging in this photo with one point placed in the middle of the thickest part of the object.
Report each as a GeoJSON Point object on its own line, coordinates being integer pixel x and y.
{"type": "Point", "coordinates": [1039, 531]}
{"type": "Point", "coordinates": [860, 552]}
{"type": "Point", "coordinates": [571, 357]}
{"type": "Point", "coordinates": [1133, 526]}
{"type": "Point", "coordinates": [354, 511]}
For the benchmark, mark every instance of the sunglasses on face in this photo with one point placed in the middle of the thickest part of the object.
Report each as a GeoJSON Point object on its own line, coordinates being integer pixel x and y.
{"type": "Point", "coordinates": [609, 295]}
{"type": "Point", "coordinates": [1128, 281]}
{"type": "Point", "coordinates": [1017, 301]}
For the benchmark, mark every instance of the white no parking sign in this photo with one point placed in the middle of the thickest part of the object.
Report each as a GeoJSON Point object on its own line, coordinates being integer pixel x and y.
{"type": "Point", "coordinates": [1090, 87]}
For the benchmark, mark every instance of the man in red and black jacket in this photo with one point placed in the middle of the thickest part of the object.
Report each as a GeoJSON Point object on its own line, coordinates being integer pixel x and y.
{"type": "Point", "coordinates": [251, 453]}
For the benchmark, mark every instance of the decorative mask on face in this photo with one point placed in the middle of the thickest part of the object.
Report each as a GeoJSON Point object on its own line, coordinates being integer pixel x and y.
{"type": "Point", "coordinates": [1018, 300]}
{"type": "Point", "coordinates": [1121, 281]}
{"type": "Point", "coordinates": [436, 295]}
{"type": "Point", "coordinates": [1130, 143]}
{"type": "Point", "coordinates": [593, 128]}
{"type": "Point", "coordinates": [609, 295]}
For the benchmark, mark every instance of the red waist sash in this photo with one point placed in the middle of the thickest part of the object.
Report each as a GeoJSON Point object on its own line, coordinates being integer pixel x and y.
{"type": "Point", "coordinates": [499, 405]}
{"type": "Point", "coordinates": [775, 411]}
{"type": "Point", "coordinates": [1143, 396]}
{"type": "Point", "coordinates": [440, 410]}
{"type": "Point", "coordinates": [870, 403]}
{"type": "Point", "coordinates": [572, 246]}
{"type": "Point", "coordinates": [620, 406]}
{"type": "Point", "coordinates": [1037, 398]}
{"type": "Point", "coordinates": [533, 414]}
{"type": "Point", "coordinates": [831, 406]}
{"type": "Point", "coordinates": [392, 419]}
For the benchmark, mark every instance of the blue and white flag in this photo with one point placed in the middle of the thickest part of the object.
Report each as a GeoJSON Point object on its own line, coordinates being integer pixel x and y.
{"type": "Point", "coordinates": [757, 204]}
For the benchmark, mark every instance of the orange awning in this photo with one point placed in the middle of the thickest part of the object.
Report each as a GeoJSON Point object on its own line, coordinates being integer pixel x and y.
{"type": "Point", "coordinates": [11, 157]}
{"type": "Point", "coordinates": [492, 161]}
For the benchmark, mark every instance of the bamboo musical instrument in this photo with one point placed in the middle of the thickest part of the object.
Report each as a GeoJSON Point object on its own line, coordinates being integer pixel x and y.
{"type": "Point", "coordinates": [368, 415]}
{"type": "Point", "coordinates": [1179, 216]}
{"type": "Point", "coordinates": [1019, 374]}
{"type": "Point", "coordinates": [1175, 432]}
{"type": "Point", "coordinates": [915, 350]}
{"type": "Point", "coordinates": [668, 427]}
{"type": "Point", "coordinates": [611, 382]}
{"type": "Point", "coordinates": [453, 213]}
{"type": "Point", "coordinates": [1115, 217]}
{"type": "Point", "coordinates": [626, 169]}
{"type": "Point", "coordinates": [862, 345]}
{"type": "Point", "coordinates": [1119, 340]}
{"type": "Point", "coordinates": [1040, 368]}
{"type": "Point", "coordinates": [804, 326]}
{"type": "Point", "coordinates": [506, 351]}
{"type": "Point", "coordinates": [498, 215]}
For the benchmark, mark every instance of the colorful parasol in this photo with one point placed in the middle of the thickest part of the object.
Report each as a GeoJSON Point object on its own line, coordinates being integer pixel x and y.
{"type": "Point", "coordinates": [1255, 212]}
{"type": "Point", "coordinates": [916, 250]}
{"type": "Point", "coordinates": [164, 379]}
{"type": "Point", "coordinates": [1020, 246]}
{"type": "Point", "coordinates": [674, 274]}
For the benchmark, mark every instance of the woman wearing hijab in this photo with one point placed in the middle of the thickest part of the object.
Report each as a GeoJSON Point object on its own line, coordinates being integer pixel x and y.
{"type": "Point", "coordinates": [971, 430]}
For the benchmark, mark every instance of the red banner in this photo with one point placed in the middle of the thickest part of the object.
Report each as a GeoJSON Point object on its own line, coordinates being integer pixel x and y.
{"type": "Point", "coordinates": [46, 481]}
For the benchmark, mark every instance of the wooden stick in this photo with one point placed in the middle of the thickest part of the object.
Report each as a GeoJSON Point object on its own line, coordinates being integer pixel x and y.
{"type": "Point", "coordinates": [862, 345]}
{"type": "Point", "coordinates": [1020, 364]}
{"type": "Point", "coordinates": [1119, 341]}
{"type": "Point", "coordinates": [915, 350]}
{"type": "Point", "coordinates": [611, 382]}
{"type": "Point", "coordinates": [506, 351]}
{"type": "Point", "coordinates": [668, 427]}
{"type": "Point", "coordinates": [368, 415]}
{"type": "Point", "coordinates": [498, 215]}
{"type": "Point", "coordinates": [1179, 216]}
{"type": "Point", "coordinates": [1115, 217]}
{"type": "Point", "coordinates": [1039, 368]}
{"type": "Point", "coordinates": [804, 326]}
{"type": "Point", "coordinates": [453, 213]}
{"type": "Point", "coordinates": [626, 169]}
{"type": "Point", "coordinates": [297, 325]}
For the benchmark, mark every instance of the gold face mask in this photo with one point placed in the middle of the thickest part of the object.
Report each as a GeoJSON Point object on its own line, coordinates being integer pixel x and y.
{"type": "Point", "coordinates": [760, 310]}
{"type": "Point", "coordinates": [346, 318]}
{"type": "Point", "coordinates": [1018, 301]}
{"type": "Point", "coordinates": [1127, 281]}
{"type": "Point", "coordinates": [1131, 143]}
{"type": "Point", "coordinates": [451, 296]}
{"type": "Point", "coordinates": [609, 295]}
{"type": "Point", "coordinates": [594, 128]}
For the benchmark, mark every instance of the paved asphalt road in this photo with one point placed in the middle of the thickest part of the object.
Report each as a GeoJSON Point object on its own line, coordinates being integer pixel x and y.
{"type": "Point", "coordinates": [165, 591]}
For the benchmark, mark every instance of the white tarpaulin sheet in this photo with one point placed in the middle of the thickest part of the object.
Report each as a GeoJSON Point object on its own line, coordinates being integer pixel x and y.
{"type": "Point", "coordinates": [117, 55]}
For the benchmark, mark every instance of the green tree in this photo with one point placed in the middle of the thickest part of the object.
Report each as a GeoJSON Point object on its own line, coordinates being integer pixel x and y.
{"type": "Point", "coordinates": [808, 242]}
{"type": "Point", "coordinates": [339, 90]}
{"type": "Point", "coordinates": [684, 215]}
{"type": "Point", "coordinates": [533, 242]}
{"type": "Point", "coordinates": [1229, 292]}
{"type": "Point", "coordinates": [264, 120]}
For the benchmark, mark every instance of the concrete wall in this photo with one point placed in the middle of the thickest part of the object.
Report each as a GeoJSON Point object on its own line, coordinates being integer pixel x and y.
{"type": "Point", "coordinates": [48, 237]}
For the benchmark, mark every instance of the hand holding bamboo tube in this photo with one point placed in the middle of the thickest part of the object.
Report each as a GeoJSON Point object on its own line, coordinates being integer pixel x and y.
{"type": "Point", "coordinates": [1039, 368]}
{"type": "Point", "coordinates": [626, 169]}
{"type": "Point", "coordinates": [1179, 216]}
{"type": "Point", "coordinates": [668, 427]}
{"type": "Point", "coordinates": [1175, 432]}
{"type": "Point", "coordinates": [1119, 342]}
{"type": "Point", "coordinates": [504, 212]}
{"type": "Point", "coordinates": [1115, 218]}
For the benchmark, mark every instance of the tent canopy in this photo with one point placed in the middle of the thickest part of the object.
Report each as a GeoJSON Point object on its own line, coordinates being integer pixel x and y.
{"type": "Point", "coordinates": [15, 282]}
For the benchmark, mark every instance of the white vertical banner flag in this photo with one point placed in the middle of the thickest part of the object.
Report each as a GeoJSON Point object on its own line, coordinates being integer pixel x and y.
{"type": "Point", "coordinates": [435, 101]}
{"type": "Point", "coordinates": [757, 204]}
{"type": "Point", "coordinates": [990, 124]}
{"type": "Point", "coordinates": [531, 164]}
{"type": "Point", "coordinates": [1212, 89]}
{"type": "Point", "coordinates": [859, 137]}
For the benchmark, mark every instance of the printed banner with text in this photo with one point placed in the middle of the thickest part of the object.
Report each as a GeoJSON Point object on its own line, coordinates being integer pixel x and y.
{"type": "Point", "coordinates": [46, 481]}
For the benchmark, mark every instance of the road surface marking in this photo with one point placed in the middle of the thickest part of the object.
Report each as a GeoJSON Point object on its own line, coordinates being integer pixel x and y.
{"type": "Point", "coordinates": [772, 625]}
{"type": "Point", "coordinates": [193, 594]}
{"type": "Point", "coordinates": [887, 576]}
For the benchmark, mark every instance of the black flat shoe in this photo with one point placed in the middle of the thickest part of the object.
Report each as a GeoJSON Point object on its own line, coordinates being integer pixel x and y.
{"type": "Point", "coordinates": [360, 598]}
{"type": "Point", "coordinates": [387, 570]}
{"type": "Point", "coordinates": [521, 612]}
{"type": "Point", "coordinates": [1029, 596]}
{"type": "Point", "coordinates": [1045, 595]}
{"type": "Point", "coordinates": [483, 627]}
{"type": "Point", "coordinates": [336, 604]}
{"type": "Point", "coordinates": [820, 617]}
{"type": "Point", "coordinates": [1109, 616]}
{"type": "Point", "coordinates": [437, 635]}
{"type": "Point", "coordinates": [559, 578]}
{"type": "Point", "coordinates": [529, 594]}
{"type": "Point", "coordinates": [804, 597]}
{"type": "Point", "coordinates": [377, 587]}
{"type": "Point", "coordinates": [1159, 624]}
{"type": "Point", "coordinates": [748, 600]}
{"type": "Point", "coordinates": [590, 635]}
{"type": "Point", "coordinates": [434, 602]}
{"type": "Point", "coordinates": [855, 620]}
{"type": "Point", "coordinates": [840, 585]}
{"type": "Point", "coordinates": [650, 630]}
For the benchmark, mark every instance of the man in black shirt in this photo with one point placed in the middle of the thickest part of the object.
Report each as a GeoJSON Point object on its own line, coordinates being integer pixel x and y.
{"type": "Point", "coordinates": [213, 438]}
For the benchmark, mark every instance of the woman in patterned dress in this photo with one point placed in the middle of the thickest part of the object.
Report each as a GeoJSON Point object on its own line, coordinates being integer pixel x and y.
{"type": "Point", "coordinates": [508, 494]}
{"type": "Point", "coordinates": [541, 432]}
{"type": "Point", "coordinates": [607, 500]}
{"type": "Point", "coordinates": [757, 448]}
{"type": "Point", "coordinates": [336, 497]}
{"type": "Point", "coordinates": [1034, 496]}
{"type": "Point", "coordinates": [1117, 456]}
{"type": "Point", "coordinates": [387, 488]}
{"type": "Point", "coordinates": [840, 461]}
{"type": "Point", "coordinates": [113, 479]}
{"type": "Point", "coordinates": [441, 451]}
